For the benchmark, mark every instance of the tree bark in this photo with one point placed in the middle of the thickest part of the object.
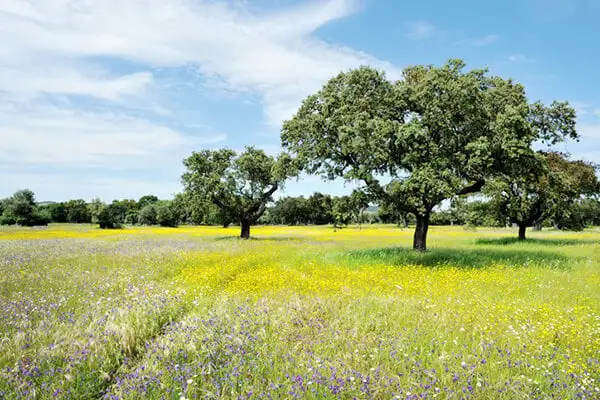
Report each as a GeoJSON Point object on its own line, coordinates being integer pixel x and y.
{"type": "Point", "coordinates": [245, 234]}
{"type": "Point", "coordinates": [522, 232]}
{"type": "Point", "coordinates": [420, 238]}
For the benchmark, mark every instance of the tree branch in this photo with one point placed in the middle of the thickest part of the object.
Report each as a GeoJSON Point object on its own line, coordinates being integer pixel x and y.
{"type": "Point", "coordinates": [261, 210]}
{"type": "Point", "coordinates": [270, 192]}
{"type": "Point", "coordinates": [474, 188]}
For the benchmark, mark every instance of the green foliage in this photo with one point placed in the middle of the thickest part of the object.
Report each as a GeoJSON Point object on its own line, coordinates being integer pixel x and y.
{"type": "Point", "coordinates": [438, 133]}
{"type": "Point", "coordinates": [549, 186]}
{"type": "Point", "coordinates": [95, 208]}
{"type": "Point", "coordinates": [77, 212]}
{"type": "Point", "coordinates": [590, 210]}
{"type": "Point", "coordinates": [198, 210]}
{"type": "Point", "coordinates": [108, 216]}
{"type": "Point", "coordinates": [58, 212]}
{"type": "Point", "coordinates": [347, 209]}
{"type": "Point", "coordinates": [314, 210]}
{"type": "Point", "coordinates": [389, 214]}
{"type": "Point", "coordinates": [167, 214]}
{"type": "Point", "coordinates": [290, 211]}
{"type": "Point", "coordinates": [146, 200]}
{"type": "Point", "coordinates": [125, 211]}
{"type": "Point", "coordinates": [241, 185]}
{"type": "Point", "coordinates": [320, 209]}
{"type": "Point", "coordinates": [21, 209]}
{"type": "Point", "coordinates": [570, 218]}
{"type": "Point", "coordinates": [6, 219]}
{"type": "Point", "coordinates": [147, 215]}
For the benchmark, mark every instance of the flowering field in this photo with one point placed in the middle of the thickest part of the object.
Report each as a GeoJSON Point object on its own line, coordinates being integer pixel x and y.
{"type": "Point", "coordinates": [298, 313]}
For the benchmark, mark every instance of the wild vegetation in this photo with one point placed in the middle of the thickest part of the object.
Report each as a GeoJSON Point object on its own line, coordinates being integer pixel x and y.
{"type": "Point", "coordinates": [301, 312]}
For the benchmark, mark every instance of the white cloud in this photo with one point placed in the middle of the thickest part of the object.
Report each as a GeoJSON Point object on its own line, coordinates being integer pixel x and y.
{"type": "Point", "coordinates": [57, 136]}
{"type": "Point", "coordinates": [520, 58]}
{"type": "Point", "coordinates": [590, 132]}
{"type": "Point", "coordinates": [486, 40]}
{"type": "Point", "coordinates": [53, 51]}
{"type": "Point", "coordinates": [588, 148]}
{"type": "Point", "coordinates": [421, 30]}
{"type": "Point", "coordinates": [581, 108]}
{"type": "Point", "coordinates": [273, 54]}
{"type": "Point", "coordinates": [49, 79]}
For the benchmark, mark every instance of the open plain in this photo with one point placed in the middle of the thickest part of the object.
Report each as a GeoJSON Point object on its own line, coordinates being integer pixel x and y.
{"type": "Point", "coordinates": [307, 312]}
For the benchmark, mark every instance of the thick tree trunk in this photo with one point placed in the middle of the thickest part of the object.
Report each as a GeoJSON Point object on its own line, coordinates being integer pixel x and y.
{"type": "Point", "coordinates": [245, 234]}
{"type": "Point", "coordinates": [420, 238]}
{"type": "Point", "coordinates": [522, 231]}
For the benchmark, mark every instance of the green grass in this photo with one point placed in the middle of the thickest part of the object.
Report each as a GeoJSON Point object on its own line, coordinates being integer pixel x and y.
{"type": "Point", "coordinates": [299, 312]}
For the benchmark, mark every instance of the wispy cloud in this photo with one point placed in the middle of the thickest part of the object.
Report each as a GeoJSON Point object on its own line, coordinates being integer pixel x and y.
{"type": "Point", "coordinates": [590, 132]}
{"type": "Point", "coordinates": [269, 54]}
{"type": "Point", "coordinates": [485, 40]}
{"type": "Point", "coordinates": [54, 53]}
{"type": "Point", "coordinates": [581, 108]}
{"type": "Point", "coordinates": [520, 58]}
{"type": "Point", "coordinates": [42, 134]}
{"type": "Point", "coordinates": [420, 30]}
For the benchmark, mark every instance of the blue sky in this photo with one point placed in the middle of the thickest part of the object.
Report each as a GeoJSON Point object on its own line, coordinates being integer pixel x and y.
{"type": "Point", "coordinates": [105, 98]}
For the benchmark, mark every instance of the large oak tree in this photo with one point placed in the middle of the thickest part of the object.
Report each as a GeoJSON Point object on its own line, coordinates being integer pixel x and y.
{"type": "Point", "coordinates": [437, 133]}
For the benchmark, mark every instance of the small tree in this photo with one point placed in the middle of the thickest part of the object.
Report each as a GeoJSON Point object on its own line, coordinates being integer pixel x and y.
{"type": "Point", "coordinates": [347, 209]}
{"type": "Point", "coordinates": [95, 208]}
{"type": "Point", "coordinates": [589, 209]}
{"type": "Point", "coordinates": [20, 207]}
{"type": "Point", "coordinates": [342, 211]}
{"type": "Point", "coordinates": [77, 212]}
{"type": "Point", "coordinates": [241, 185]}
{"type": "Point", "coordinates": [147, 215]}
{"type": "Point", "coordinates": [58, 212]}
{"type": "Point", "coordinates": [166, 214]}
{"type": "Point", "coordinates": [545, 187]}
{"type": "Point", "coordinates": [320, 208]}
{"type": "Point", "coordinates": [147, 200]}
{"type": "Point", "coordinates": [108, 217]}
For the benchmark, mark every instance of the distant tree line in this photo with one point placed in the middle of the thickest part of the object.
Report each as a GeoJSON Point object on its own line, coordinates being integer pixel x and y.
{"type": "Point", "coordinates": [317, 209]}
{"type": "Point", "coordinates": [22, 209]}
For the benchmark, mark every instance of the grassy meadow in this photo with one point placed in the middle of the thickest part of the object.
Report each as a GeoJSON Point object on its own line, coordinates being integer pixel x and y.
{"type": "Point", "coordinates": [298, 312]}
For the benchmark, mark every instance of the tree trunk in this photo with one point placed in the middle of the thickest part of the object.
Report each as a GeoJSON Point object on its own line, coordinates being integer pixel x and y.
{"type": "Point", "coordinates": [537, 226]}
{"type": "Point", "coordinates": [420, 238]}
{"type": "Point", "coordinates": [522, 231]}
{"type": "Point", "coordinates": [245, 234]}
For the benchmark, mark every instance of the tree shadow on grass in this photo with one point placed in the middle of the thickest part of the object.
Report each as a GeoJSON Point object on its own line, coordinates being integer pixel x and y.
{"type": "Point", "coordinates": [459, 258]}
{"type": "Point", "coordinates": [504, 241]}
